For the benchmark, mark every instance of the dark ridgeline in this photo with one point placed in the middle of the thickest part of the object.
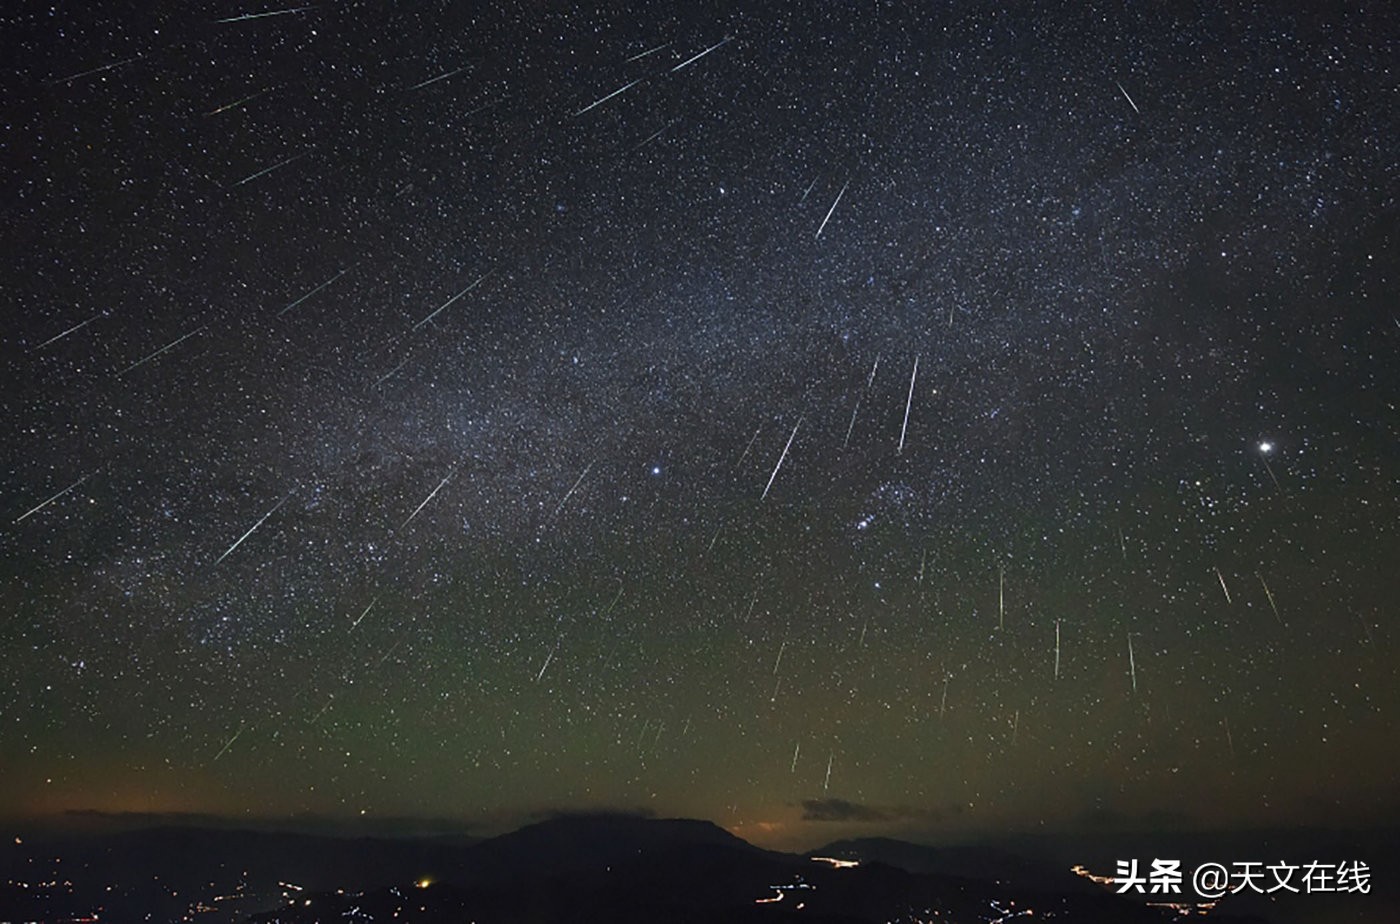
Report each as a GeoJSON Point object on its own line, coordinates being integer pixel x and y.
{"type": "Point", "coordinates": [969, 862]}
{"type": "Point", "coordinates": [622, 868]}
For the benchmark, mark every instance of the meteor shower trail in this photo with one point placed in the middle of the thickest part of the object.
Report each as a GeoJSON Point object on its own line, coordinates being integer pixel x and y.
{"type": "Point", "coordinates": [440, 417]}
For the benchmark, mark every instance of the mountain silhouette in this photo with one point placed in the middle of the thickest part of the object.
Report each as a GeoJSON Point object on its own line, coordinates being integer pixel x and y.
{"type": "Point", "coordinates": [621, 869]}
{"type": "Point", "coordinates": [971, 862]}
{"type": "Point", "coordinates": [613, 868]}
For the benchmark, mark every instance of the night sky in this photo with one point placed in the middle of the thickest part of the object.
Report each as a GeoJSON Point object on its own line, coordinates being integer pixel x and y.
{"type": "Point", "coordinates": [934, 419]}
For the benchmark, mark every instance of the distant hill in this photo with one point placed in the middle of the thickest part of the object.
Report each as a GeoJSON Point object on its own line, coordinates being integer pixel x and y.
{"type": "Point", "coordinates": [619, 869]}
{"type": "Point", "coordinates": [970, 862]}
{"type": "Point", "coordinates": [573, 842]}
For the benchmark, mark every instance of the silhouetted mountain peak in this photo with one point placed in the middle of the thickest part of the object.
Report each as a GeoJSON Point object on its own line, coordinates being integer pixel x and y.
{"type": "Point", "coordinates": [639, 830]}
{"type": "Point", "coordinates": [570, 843]}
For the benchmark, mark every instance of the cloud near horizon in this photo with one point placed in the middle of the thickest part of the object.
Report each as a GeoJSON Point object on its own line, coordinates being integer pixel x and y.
{"type": "Point", "coordinates": [841, 810]}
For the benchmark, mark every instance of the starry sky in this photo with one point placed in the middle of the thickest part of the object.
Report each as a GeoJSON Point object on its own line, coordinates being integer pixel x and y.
{"type": "Point", "coordinates": [930, 418]}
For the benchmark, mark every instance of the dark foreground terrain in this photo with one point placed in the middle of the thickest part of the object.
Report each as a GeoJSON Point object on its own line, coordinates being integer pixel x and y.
{"type": "Point", "coordinates": [579, 869]}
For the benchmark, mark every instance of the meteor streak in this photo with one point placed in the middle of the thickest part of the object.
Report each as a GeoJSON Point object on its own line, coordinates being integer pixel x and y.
{"type": "Point", "coordinates": [264, 15]}
{"type": "Point", "coordinates": [908, 404]}
{"type": "Point", "coordinates": [832, 209]}
{"type": "Point", "coordinates": [692, 60]}
{"type": "Point", "coordinates": [33, 510]}
{"type": "Point", "coordinates": [251, 530]}
{"type": "Point", "coordinates": [443, 307]}
{"type": "Point", "coordinates": [1128, 98]}
{"type": "Point", "coordinates": [781, 458]}
{"type": "Point", "coordinates": [600, 102]}
{"type": "Point", "coordinates": [169, 346]}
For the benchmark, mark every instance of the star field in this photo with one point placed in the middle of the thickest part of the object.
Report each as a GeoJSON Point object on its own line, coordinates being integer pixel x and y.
{"type": "Point", "coordinates": [956, 418]}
